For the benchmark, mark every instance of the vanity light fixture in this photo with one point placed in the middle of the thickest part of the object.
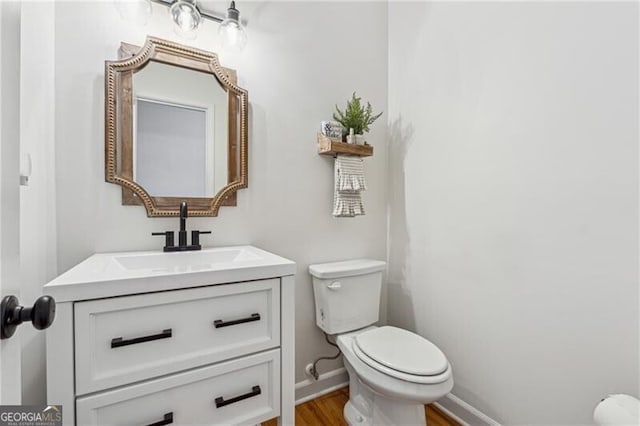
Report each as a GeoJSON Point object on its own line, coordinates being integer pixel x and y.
{"type": "Point", "coordinates": [187, 16]}
{"type": "Point", "coordinates": [231, 32]}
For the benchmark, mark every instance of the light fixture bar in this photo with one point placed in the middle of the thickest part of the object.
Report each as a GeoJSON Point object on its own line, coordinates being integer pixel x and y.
{"type": "Point", "coordinates": [203, 14]}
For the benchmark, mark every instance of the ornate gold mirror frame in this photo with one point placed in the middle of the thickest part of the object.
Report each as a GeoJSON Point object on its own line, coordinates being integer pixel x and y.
{"type": "Point", "coordinates": [119, 126]}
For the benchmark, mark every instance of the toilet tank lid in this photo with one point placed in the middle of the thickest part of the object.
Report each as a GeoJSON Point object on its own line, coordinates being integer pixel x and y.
{"type": "Point", "coordinates": [347, 268]}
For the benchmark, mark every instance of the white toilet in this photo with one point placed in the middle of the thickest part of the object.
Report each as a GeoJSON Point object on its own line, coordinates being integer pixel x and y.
{"type": "Point", "coordinates": [392, 372]}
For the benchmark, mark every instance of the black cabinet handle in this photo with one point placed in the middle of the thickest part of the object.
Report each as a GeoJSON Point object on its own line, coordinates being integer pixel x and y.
{"type": "Point", "coordinates": [220, 323]}
{"type": "Point", "coordinates": [168, 419]}
{"type": "Point", "coordinates": [220, 402]}
{"type": "Point", "coordinates": [119, 341]}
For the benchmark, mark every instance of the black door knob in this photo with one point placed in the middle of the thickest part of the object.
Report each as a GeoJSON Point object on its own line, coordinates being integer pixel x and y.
{"type": "Point", "coordinates": [41, 314]}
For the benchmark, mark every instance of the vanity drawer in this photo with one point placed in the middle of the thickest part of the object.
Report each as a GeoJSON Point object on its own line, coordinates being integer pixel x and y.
{"type": "Point", "coordinates": [127, 339]}
{"type": "Point", "coordinates": [242, 391]}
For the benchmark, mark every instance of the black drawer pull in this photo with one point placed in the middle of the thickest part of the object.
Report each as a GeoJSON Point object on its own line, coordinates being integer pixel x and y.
{"type": "Point", "coordinates": [119, 341]}
{"type": "Point", "coordinates": [220, 402]}
{"type": "Point", "coordinates": [168, 419]}
{"type": "Point", "coordinates": [220, 323]}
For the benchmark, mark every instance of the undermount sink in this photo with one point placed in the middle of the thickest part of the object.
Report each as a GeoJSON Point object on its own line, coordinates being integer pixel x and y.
{"type": "Point", "coordinates": [193, 260]}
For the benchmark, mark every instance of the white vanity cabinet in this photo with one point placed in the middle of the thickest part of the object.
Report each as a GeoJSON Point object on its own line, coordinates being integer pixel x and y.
{"type": "Point", "coordinates": [180, 338]}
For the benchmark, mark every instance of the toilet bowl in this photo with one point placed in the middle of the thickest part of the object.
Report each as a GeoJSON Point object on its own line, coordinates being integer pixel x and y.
{"type": "Point", "coordinates": [392, 372]}
{"type": "Point", "coordinates": [380, 394]}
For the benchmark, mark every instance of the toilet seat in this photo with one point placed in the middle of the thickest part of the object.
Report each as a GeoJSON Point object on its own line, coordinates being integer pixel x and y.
{"type": "Point", "coordinates": [401, 354]}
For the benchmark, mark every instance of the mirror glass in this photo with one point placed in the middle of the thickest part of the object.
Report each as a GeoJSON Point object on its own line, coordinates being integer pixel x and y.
{"type": "Point", "coordinates": [180, 137]}
{"type": "Point", "coordinates": [176, 129]}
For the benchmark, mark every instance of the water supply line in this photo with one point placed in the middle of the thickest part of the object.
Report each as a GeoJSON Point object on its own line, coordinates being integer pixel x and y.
{"type": "Point", "coordinates": [311, 369]}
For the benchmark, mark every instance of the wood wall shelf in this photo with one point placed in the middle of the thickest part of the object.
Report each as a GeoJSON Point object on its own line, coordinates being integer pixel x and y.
{"type": "Point", "coordinates": [333, 147]}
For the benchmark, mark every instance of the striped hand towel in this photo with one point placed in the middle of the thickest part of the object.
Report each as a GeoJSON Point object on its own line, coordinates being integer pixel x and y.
{"type": "Point", "coordinates": [349, 182]}
{"type": "Point", "coordinates": [350, 173]}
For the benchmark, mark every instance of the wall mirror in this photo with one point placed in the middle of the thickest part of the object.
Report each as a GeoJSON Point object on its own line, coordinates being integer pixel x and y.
{"type": "Point", "coordinates": [175, 129]}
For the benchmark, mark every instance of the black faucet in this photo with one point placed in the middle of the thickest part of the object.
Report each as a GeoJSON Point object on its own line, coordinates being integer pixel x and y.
{"type": "Point", "coordinates": [182, 234]}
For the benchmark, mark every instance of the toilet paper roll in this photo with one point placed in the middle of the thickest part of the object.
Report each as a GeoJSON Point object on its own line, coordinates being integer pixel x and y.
{"type": "Point", "coordinates": [618, 410]}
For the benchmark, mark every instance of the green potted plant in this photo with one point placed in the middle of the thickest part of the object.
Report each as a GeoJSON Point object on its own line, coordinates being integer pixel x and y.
{"type": "Point", "coordinates": [357, 117]}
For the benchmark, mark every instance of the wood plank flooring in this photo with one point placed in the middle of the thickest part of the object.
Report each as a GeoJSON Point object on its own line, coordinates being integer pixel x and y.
{"type": "Point", "coordinates": [327, 411]}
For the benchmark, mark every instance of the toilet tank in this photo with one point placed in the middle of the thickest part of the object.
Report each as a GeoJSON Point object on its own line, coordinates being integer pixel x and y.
{"type": "Point", "coordinates": [347, 294]}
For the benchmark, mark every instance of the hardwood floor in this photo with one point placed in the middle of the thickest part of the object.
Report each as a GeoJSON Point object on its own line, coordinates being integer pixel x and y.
{"type": "Point", "coordinates": [327, 411]}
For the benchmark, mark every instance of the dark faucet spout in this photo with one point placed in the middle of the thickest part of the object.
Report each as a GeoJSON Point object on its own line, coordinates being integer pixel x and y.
{"type": "Point", "coordinates": [182, 235]}
{"type": "Point", "coordinates": [183, 215]}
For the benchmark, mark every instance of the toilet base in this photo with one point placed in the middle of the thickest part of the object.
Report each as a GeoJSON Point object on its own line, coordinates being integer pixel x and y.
{"type": "Point", "coordinates": [367, 407]}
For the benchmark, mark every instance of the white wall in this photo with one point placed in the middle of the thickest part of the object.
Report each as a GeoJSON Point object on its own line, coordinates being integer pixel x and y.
{"type": "Point", "coordinates": [514, 199]}
{"type": "Point", "coordinates": [37, 200]}
{"type": "Point", "coordinates": [301, 59]}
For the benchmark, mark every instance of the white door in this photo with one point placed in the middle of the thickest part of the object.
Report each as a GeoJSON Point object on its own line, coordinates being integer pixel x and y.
{"type": "Point", "coordinates": [10, 368]}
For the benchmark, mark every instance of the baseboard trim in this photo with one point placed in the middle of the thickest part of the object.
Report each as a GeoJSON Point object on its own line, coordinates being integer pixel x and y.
{"type": "Point", "coordinates": [464, 413]}
{"type": "Point", "coordinates": [307, 390]}
{"type": "Point", "coordinates": [451, 405]}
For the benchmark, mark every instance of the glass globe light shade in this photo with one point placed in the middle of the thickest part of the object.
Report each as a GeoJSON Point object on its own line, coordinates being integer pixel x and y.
{"type": "Point", "coordinates": [186, 16]}
{"type": "Point", "coordinates": [232, 35]}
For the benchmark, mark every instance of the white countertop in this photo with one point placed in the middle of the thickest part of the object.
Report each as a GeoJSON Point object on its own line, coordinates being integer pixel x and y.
{"type": "Point", "coordinates": [124, 273]}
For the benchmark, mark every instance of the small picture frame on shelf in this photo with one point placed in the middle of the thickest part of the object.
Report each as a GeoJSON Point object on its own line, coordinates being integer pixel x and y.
{"type": "Point", "coordinates": [331, 129]}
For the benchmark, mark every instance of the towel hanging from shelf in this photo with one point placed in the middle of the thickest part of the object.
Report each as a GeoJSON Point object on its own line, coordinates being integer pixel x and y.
{"type": "Point", "coordinates": [350, 173]}
{"type": "Point", "coordinates": [349, 182]}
